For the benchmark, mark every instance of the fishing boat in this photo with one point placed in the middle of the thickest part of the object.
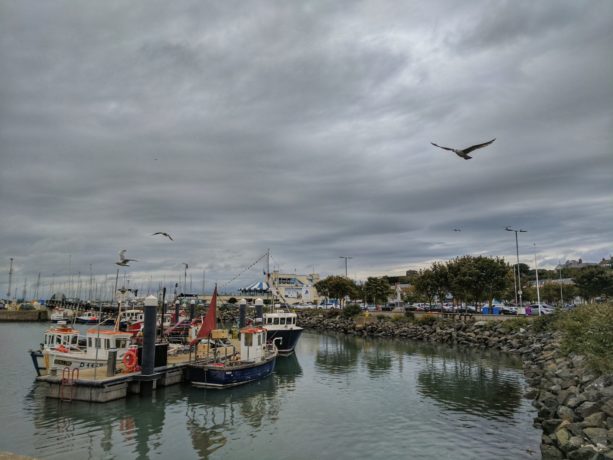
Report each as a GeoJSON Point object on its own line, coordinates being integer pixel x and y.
{"type": "Point", "coordinates": [282, 329]}
{"type": "Point", "coordinates": [88, 317]}
{"type": "Point", "coordinates": [62, 349]}
{"type": "Point", "coordinates": [61, 314]}
{"type": "Point", "coordinates": [222, 365]}
{"type": "Point", "coordinates": [255, 360]}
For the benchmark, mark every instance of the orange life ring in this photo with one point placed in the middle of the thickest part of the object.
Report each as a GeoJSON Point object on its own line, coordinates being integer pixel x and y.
{"type": "Point", "coordinates": [130, 360]}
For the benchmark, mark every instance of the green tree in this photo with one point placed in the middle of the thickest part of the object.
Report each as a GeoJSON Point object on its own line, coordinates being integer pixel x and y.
{"type": "Point", "coordinates": [377, 290]}
{"type": "Point", "coordinates": [477, 279]}
{"type": "Point", "coordinates": [440, 275]}
{"type": "Point", "coordinates": [593, 282]}
{"type": "Point", "coordinates": [425, 284]}
{"type": "Point", "coordinates": [337, 287]}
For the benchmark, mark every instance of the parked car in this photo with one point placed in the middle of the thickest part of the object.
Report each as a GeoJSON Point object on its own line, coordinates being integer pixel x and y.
{"type": "Point", "coordinates": [508, 310]}
{"type": "Point", "coordinates": [545, 309]}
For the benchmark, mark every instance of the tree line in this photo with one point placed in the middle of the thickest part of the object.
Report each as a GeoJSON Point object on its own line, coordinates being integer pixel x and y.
{"type": "Point", "coordinates": [474, 280]}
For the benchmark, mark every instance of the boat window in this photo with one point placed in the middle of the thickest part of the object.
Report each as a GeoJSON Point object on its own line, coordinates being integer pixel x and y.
{"type": "Point", "coordinates": [75, 340]}
{"type": "Point", "coordinates": [282, 320]}
{"type": "Point", "coordinates": [90, 342]}
{"type": "Point", "coordinates": [248, 340]}
{"type": "Point", "coordinates": [58, 339]}
{"type": "Point", "coordinates": [107, 343]}
{"type": "Point", "coordinates": [97, 342]}
{"type": "Point", "coordinates": [291, 320]}
{"type": "Point", "coordinates": [268, 320]}
{"type": "Point", "coordinates": [259, 339]}
{"type": "Point", "coordinates": [276, 321]}
{"type": "Point", "coordinates": [121, 343]}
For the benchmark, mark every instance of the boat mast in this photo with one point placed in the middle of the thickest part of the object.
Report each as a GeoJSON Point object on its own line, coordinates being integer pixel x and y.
{"type": "Point", "coordinates": [8, 294]}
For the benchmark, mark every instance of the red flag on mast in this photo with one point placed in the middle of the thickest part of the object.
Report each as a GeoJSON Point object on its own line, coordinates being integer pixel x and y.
{"type": "Point", "coordinates": [210, 320]}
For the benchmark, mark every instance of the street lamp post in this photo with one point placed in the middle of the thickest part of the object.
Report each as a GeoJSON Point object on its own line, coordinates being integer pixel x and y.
{"type": "Point", "coordinates": [538, 292]}
{"type": "Point", "coordinates": [519, 291]}
{"type": "Point", "coordinates": [345, 257]}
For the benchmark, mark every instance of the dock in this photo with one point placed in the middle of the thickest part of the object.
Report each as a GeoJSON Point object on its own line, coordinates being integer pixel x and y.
{"type": "Point", "coordinates": [94, 385]}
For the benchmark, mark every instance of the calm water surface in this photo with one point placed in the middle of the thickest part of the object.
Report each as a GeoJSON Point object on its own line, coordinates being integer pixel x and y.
{"type": "Point", "coordinates": [338, 398]}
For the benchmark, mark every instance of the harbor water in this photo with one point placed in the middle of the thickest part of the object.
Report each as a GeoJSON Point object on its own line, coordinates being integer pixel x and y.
{"type": "Point", "coordinates": [338, 398]}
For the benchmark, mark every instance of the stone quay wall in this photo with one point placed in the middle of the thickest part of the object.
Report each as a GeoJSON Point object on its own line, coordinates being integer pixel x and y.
{"type": "Point", "coordinates": [574, 403]}
{"type": "Point", "coordinates": [27, 315]}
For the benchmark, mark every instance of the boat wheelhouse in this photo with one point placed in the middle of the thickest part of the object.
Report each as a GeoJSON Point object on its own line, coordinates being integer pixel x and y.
{"type": "Point", "coordinates": [283, 329]}
{"type": "Point", "coordinates": [98, 343]}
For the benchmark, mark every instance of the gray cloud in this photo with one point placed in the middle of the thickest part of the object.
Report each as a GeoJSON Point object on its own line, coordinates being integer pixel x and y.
{"type": "Point", "coordinates": [305, 129]}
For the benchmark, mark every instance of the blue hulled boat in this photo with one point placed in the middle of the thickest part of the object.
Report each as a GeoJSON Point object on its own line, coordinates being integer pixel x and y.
{"type": "Point", "coordinates": [255, 361]}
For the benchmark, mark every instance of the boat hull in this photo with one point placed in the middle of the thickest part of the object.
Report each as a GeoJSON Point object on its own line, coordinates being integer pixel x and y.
{"type": "Point", "coordinates": [288, 339]}
{"type": "Point", "coordinates": [222, 376]}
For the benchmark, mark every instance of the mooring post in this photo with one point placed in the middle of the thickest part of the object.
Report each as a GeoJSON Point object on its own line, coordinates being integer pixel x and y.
{"type": "Point", "coordinates": [242, 313]}
{"type": "Point", "coordinates": [111, 362]}
{"type": "Point", "coordinates": [192, 309]}
{"type": "Point", "coordinates": [149, 329]}
{"type": "Point", "coordinates": [259, 311]}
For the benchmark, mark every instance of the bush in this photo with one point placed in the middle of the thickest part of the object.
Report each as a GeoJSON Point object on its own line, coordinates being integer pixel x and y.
{"type": "Point", "coordinates": [351, 310]}
{"type": "Point", "coordinates": [545, 322]}
{"type": "Point", "coordinates": [426, 320]}
{"type": "Point", "coordinates": [332, 313]}
{"type": "Point", "coordinates": [588, 330]}
{"type": "Point", "coordinates": [514, 325]}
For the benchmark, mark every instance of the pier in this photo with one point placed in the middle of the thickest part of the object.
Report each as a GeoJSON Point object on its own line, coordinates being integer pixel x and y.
{"type": "Point", "coordinates": [95, 385]}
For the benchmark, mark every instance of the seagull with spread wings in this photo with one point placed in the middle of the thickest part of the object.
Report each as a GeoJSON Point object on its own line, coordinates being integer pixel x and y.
{"type": "Point", "coordinates": [164, 234]}
{"type": "Point", "coordinates": [463, 153]}
{"type": "Point", "coordinates": [123, 261]}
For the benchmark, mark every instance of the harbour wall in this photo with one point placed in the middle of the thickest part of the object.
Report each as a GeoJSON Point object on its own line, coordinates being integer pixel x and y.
{"type": "Point", "coordinates": [22, 316]}
{"type": "Point", "coordinates": [574, 403]}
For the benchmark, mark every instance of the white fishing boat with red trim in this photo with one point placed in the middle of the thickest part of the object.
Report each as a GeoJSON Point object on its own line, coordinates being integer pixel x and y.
{"type": "Point", "coordinates": [61, 349]}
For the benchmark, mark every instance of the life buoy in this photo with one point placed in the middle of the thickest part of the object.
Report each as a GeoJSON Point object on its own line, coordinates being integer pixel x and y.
{"type": "Point", "coordinates": [130, 360]}
{"type": "Point", "coordinates": [62, 348]}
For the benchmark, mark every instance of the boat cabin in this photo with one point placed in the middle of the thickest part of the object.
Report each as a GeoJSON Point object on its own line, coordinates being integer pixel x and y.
{"type": "Point", "coordinates": [104, 340]}
{"type": "Point", "coordinates": [280, 319]}
{"type": "Point", "coordinates": [133, 316]}
{"type": "Point", "coordinates": [253, 343]}
{"type": "Point", "coordinates": [61, 336]}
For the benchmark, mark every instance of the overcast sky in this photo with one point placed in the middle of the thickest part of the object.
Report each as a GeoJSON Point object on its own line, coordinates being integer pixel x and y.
{"type": "Point", "coordinates": [303, 127]}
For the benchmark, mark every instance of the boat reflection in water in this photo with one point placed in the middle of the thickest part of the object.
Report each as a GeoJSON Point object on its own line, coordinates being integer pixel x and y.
{"type": "Point", "coordinates": [160, 425]}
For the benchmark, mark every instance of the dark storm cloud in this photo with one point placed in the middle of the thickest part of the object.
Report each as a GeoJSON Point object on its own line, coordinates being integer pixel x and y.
{"type": "Point", "coordinates": [304, 128]}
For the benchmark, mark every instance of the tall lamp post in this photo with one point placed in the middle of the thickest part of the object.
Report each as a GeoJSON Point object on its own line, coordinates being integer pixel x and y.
{"type": "Point", "coordinates": [345, 257]}
{"type": "Point", "coordinates": [519, 292]}
{"type": "Point", "coordinates": [538, 292]}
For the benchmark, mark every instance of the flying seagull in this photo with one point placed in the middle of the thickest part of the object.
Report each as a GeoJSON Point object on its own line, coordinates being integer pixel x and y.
{"type": "Point", "coordinates": [123, 262]}
{"type": "Point", "coordinates": [164, 234]}
{"type": "Point", "coordinates": [463, 153]}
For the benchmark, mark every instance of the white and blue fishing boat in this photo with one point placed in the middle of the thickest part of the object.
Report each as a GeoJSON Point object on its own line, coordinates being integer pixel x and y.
{"type": "Point", "coordinates": [222, 365]}
{"type": "Point", "coordinates": [255, 361]}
